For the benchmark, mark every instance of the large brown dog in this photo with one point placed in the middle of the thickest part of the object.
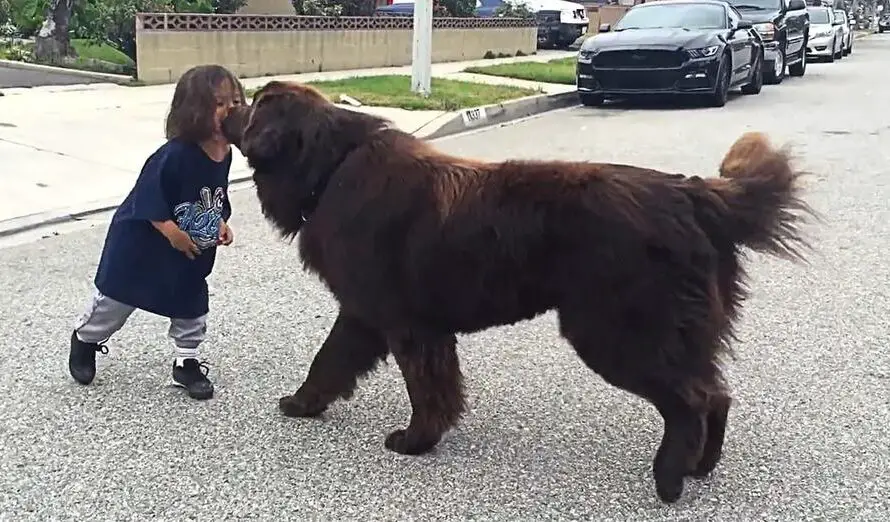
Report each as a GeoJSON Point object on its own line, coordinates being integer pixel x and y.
{"type": "Point", "coordinates": [641, 266]}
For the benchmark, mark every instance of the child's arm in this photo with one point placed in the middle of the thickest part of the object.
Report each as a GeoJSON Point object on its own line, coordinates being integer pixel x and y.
{"type": "Point", "coordinates": [177, 238]}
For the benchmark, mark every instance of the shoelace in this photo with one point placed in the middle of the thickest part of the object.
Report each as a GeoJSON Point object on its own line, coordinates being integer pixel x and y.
{"type": "Point", "coordinates": [101, 348]}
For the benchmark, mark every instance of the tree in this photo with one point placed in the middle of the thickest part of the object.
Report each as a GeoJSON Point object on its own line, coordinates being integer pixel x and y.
{"type": "Point", "coordinates": [52, 43]}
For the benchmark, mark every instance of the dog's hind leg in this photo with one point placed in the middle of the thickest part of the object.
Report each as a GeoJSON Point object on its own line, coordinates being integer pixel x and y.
{"type": "Point", "coordinates": [632, 358]}
{"type": "Point", "coordinates": [431, 370]}
{"type": "Point", "coordinates": [351, 351]}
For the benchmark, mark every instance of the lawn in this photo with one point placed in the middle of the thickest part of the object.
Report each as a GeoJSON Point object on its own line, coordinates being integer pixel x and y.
{"type": "Point", "coordinates": [561, 70]}
{"type": "Point", "coordinates": [395, 91]}
{"type": "Point", "coordinates": [88, 50]}
{"type": "Point", "coordinates": [90, 56]}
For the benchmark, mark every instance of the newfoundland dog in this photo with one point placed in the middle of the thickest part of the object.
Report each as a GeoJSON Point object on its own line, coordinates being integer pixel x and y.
{"type": "Point", "coordinates": [642, 267]}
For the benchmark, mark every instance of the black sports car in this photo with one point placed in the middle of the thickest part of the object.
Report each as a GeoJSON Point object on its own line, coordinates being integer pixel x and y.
{"type": "Point", "coordinates": [701, 47]}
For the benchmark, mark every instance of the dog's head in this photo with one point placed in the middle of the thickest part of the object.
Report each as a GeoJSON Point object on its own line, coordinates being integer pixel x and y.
{"type": "Point", "coordinates": [294, 139]}
{"type": "Point", "coordinates": [274, 121]}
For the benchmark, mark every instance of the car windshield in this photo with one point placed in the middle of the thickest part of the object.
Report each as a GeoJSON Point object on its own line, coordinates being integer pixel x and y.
{"type": "Point", "coordinates": [685, 16]}
{"type": "Point", "coordinates": [763, 5]}
{"type": "Point", "coordinates": [819, 16]}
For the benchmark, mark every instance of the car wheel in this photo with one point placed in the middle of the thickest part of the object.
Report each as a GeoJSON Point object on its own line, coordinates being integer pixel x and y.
{"type": "Point", "coordinates": [831, 56]}
{"type": "Point", "coordinates": [721, 90]}
{"type": "Point", "coordinates": [800, 68]}
{"type": "Point", "coordinates": [776, 73]}
{"type": "Point", "coordinates": [756, 83]}
{"type": "Point", "coordinates": [840, 51]}
{"type": "Point", "coordinates": [591, 100]}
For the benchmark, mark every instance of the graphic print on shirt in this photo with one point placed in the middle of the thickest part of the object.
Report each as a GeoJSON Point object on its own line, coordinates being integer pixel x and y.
{"type": "Point", "coordinates": [202, 219]}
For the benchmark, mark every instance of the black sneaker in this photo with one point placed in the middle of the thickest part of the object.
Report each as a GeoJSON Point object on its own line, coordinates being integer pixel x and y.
{"type": "Point", "coordinates": [82, 359]}
{"type": "Point", "coordinates": [192, 376]}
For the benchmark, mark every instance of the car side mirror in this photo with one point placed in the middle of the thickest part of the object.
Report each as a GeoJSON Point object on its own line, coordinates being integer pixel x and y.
{"type": "Point", "coordinates": [744, 24]}
{"type": "Point", "coordinates": [838, 22]}
{"type": "Point", "coordinates": [605, 28]}
{"type": "Point", "coordinates": [796, 5]}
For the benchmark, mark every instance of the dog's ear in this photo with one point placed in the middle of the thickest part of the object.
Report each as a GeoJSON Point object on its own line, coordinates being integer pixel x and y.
{"type": "Point", "coordinates": [233, 125]}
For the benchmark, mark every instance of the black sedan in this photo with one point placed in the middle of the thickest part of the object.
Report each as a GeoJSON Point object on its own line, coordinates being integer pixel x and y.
{"type": "Point", "coordinates": [700, 47]}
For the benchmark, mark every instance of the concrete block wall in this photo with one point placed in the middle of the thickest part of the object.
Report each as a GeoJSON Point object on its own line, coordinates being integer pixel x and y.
{"type": "Point", "coordinates": [255, 45]}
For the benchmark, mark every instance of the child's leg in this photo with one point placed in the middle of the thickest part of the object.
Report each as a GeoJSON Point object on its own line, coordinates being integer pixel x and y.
{"type": "Point", "coordinates": [187, 335]}
{"type": "Point", "coordinates": [103, 317]}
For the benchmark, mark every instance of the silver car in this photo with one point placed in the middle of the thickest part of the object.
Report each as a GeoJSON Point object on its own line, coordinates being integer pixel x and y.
{"type": "Point", "coordinates": [847, 26]}
{"type": "Point", "coordinates": [826, 35]}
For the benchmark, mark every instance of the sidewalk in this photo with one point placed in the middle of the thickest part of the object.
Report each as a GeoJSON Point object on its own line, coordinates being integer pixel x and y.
{"type": "Point", "coordinates": [71, 149]}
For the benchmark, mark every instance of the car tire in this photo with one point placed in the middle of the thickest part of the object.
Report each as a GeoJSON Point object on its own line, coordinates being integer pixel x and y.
{"type": "Point", "coordinates": [840, 52]}
{"type": "Point", "coordinates": [721, 90]}
{"type": "Point", "coordinates": [591, 100]}
{"type": "Point", "coordinates": [799, 68]}
{"type": "Point", "coordinates": [756, 83]}
{"type": "Point", "coordinates": [776, 73]}
{"type": "Point", "coordinates": [831, 56]}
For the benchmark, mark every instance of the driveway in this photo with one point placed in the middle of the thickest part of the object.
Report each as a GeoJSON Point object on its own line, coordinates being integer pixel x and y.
{"type": "Point", "coordinates": [14, 77]}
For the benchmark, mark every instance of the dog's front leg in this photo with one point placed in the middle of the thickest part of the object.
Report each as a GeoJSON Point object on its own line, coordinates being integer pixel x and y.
{"type": "Point", "coordinates": [351, 351]}
{"type": "Point", "coordinates": [433, 378]}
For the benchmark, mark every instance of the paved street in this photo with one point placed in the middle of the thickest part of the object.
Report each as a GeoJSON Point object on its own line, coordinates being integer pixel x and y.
{"type": "Point", "coordinates": [544, 438]}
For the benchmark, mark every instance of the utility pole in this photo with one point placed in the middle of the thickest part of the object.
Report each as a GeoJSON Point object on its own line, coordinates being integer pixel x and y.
{"type": "Point", "coordinates": [422, 56]}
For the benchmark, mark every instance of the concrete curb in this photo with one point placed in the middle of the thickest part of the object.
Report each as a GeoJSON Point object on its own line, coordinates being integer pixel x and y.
{"type": "Point", "coordinates": [445, 125]}
{"type": "Point", "coordinates": [497, 114]}
{"type": "Point", "coordinates": [107, 77]}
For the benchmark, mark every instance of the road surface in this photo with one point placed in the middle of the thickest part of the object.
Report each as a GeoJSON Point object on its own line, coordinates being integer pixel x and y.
{"type": "Point", "coordinates": [544, 438]}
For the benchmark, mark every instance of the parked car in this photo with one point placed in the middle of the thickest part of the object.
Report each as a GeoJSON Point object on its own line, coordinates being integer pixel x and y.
{"type": "Point", "coordinates": [884, 23]}
{"type": "Point", "coordinates": [841, 15]}
{"type": "Point", "coordinates": [826, 35]}
{"type": "Point", "coordinates": [784, 27]}
{"type": "Point", "coordinates": [560, 23]}
{"type": "Point", "coordinates": [677, 47]}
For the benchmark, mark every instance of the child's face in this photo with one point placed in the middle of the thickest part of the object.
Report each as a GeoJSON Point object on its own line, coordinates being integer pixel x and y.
{"type": "Point", "coordinates": [226, 98]}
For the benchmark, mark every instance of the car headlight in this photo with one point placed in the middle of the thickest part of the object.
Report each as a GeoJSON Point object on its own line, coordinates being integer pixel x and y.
{"type": "Point", "coordinates": [585, 56]}
{"type": "Point", "coordinates": [766, 30]}
{"type": "Point", "coordinates": [822, 34]}
{"type": "Point", "coordinates": [703, 52]}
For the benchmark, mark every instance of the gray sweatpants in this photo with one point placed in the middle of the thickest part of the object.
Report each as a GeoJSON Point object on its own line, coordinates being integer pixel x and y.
{"type": "Point", "coordinates": [104, 316]}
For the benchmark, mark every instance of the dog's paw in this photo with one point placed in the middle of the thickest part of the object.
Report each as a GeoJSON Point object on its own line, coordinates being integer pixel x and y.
{"type": "Point", "coordinates": [296, 406]}
{"type": "Point", "coordinates": [406, 443]}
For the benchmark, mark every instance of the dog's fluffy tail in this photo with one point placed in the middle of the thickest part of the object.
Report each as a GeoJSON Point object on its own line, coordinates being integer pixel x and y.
{"type": "Point", "coordinates": [760, 194]}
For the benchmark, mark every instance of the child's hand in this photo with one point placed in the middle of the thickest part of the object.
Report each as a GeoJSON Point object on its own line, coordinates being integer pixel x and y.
{"type": "Point", "coordinates": [183, 242]}
{"type": "Point", "coordinates": [226, 236]}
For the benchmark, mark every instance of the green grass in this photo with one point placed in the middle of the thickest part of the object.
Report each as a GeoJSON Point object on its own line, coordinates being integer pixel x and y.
{"type": "Point", "coordinates": [90, 57]}
{"type": "Point", "coordinates": [395, 91]}
{"type": "Point", "coordinates": [561, 70]}
{"type": "Point", "coordinates": [104, 52]}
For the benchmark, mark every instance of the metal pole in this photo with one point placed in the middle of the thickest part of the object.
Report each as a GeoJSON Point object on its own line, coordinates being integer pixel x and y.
{"type": "Point", "coordinates": [421, 60]}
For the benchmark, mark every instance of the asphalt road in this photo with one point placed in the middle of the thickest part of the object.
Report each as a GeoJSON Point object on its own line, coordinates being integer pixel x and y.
{"type": "Point", "coordinates": [544, 439]}
{"type": "Point", "coordinates": [14, 77]}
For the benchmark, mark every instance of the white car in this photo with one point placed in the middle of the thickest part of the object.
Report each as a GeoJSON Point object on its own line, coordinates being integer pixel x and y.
{"type": "Point", "coordinates": [826, 35]}
{"type": "Point", "coordinates": [847, 26]}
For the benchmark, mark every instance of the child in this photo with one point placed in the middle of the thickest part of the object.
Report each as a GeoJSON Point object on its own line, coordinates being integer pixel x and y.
{"type": "Point", "coordinates": [161, 244]}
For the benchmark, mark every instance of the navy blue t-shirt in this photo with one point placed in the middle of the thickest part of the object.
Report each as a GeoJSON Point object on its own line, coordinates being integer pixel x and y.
{"type": "Point", "coordinates": [139, 266]}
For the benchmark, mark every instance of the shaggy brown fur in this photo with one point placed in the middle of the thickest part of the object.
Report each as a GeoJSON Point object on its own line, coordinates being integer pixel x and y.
{"type": "Point", "coordinates": [642, 267]}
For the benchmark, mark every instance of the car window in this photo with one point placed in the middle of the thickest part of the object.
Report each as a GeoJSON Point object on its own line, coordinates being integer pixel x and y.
{"type": "Point", "coordinates": [819, 16]}
{"type": "Point", "coordinates": [841, 15]}
{"type": "Point", "coordinates": [734, 17]}
{"type": "Point", "coordinates": [687, 16]}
